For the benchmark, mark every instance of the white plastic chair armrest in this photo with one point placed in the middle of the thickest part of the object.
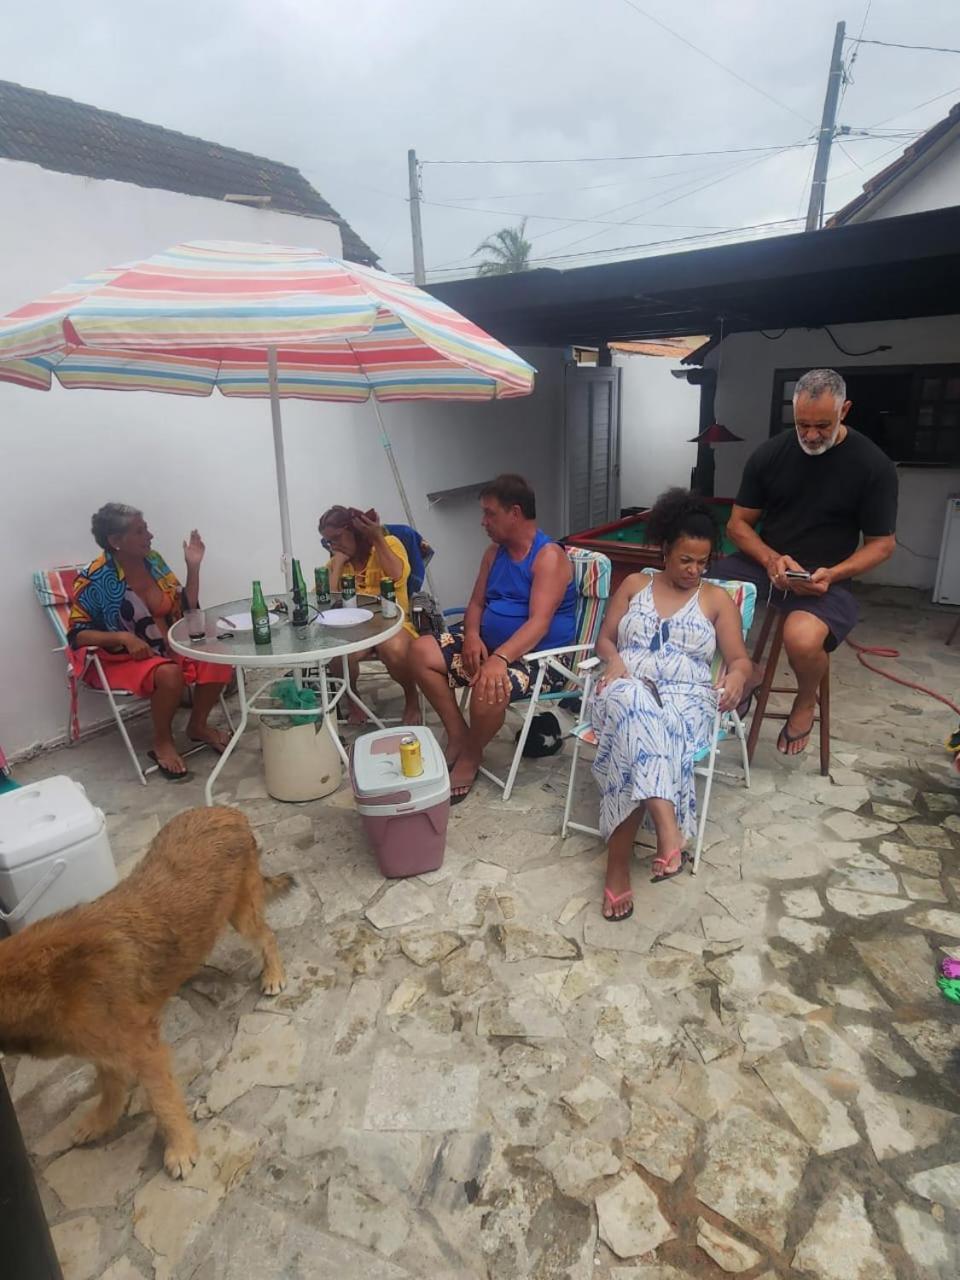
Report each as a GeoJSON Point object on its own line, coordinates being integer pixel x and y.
{"type": "Point", "coordinates": [589, 664]}
{"type": "Point", "coordinates": [555, 653]}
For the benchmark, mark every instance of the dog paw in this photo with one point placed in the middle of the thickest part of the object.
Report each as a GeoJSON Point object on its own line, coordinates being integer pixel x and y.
{"type": "Point", "coordinates": [180, 1157]}
{"type": "Point", "coordinates": [272, 986]}
{"type": "Point", "coordinates": [88, 1129]}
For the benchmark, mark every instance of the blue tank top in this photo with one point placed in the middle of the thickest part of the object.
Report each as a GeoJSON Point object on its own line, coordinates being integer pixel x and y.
{"type": "Point", "coordinates": [507, 606]}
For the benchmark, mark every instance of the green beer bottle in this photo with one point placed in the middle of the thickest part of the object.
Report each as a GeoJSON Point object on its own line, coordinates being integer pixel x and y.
{"type": "Point", "coordinates": [301, 615]}
{"type": "Point", "coordinates": [259, 616]}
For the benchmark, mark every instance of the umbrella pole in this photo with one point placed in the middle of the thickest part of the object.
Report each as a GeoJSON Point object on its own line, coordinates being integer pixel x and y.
{"type": "Point", "coordinates": [404, 500]}
{"type": "Point", "coordinates": [286, 559]}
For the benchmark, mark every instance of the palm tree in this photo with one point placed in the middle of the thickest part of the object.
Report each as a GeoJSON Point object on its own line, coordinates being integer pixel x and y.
{"type": "Point", "coordinates": [509, 251]}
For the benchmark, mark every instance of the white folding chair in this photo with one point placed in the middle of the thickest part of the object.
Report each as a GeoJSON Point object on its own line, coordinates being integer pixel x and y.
{"type": "Point", "coordinates": [591, 576]}
{"type": "Point", "coordinates": [725, 725]}
{"type": "Point", "coordinates": [54, 591]}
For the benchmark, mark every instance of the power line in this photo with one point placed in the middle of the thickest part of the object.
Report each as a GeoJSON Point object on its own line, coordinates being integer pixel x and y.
{"type": "Point", "coordinates": [645, 244]}
{"type": "Point", "coordinates": [566, 217]}
{"type": "Point", "coordinates": [730, 172]}
{"type": "Point", "coordinates": [910, 110]}
{"type": "Point", "coordinates": [890, 44]}
{"type": "Point", "coordinates": [651, 155]}
{"type": "Point", "coordinates": [848, 69]}
{"type": "Point", "coordinates": [716, 62]}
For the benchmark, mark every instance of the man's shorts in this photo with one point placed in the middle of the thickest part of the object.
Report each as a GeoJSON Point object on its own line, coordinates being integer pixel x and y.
{"type": "Point", "coordinates": [521, 674]}
{"type": "Point", "coordinates": [837, 608]}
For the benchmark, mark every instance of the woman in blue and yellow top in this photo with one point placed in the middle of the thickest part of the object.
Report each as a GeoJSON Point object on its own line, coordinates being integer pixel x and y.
{"type": "Point", "coordinates": [124, 603]}
{"type": "Point", "coordinates": [358, 543]}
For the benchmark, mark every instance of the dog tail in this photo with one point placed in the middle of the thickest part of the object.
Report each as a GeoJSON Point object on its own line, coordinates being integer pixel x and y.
{"type": "Point", "coordinates": [276, 885]}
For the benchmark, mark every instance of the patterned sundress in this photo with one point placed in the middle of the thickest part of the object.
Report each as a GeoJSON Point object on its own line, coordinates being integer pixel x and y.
{"type": "Point", "coordinates": [645, 750]}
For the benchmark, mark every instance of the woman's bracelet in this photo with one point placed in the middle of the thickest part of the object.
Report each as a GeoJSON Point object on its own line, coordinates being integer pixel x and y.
{"type": "Point", "coordinates": [502, 656]}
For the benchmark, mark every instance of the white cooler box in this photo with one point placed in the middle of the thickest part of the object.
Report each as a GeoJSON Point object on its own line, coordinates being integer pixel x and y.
{"type": "Point", "coordinates": [405, 818]}
{"type": "Point", "coordinates": [54, 851]}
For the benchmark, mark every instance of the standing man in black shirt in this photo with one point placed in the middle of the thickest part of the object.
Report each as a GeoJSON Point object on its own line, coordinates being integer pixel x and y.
{"type": "Point", "coordinates": [805, 498]}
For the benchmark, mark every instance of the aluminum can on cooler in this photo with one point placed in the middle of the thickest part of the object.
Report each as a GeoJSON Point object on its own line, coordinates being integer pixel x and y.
{"type": "Point", "coordinates": [411, 759]}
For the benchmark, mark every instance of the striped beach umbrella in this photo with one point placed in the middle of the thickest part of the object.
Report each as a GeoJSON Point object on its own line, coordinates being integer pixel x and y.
{"type": "Point", "coordinates": [257, 320]}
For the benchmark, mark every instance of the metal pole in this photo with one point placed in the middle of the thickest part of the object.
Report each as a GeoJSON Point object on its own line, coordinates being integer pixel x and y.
{"type": "Point", "coordinates": [285, 538]}
{"type": "Point", "coordinates": [25, 1244]}
{"type": "Point", "coordinates": [818, 188]}
{"type": "Point", "coordinates": [398, 479]}
{"type": "Point", "coordinates": [413, 168]}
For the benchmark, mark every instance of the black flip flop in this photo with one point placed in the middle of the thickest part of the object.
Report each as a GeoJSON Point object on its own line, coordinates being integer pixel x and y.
{"type": "Point", "coordinates": [789, 738]}
{"type": "Point", "coordinates": [203, 742]}
{"type": "Point", "coordinates": [743, 706]}
{"type": "Point", "coordinates": [460, 799]}
{"type": "Point", "coordinates": [171, 775]}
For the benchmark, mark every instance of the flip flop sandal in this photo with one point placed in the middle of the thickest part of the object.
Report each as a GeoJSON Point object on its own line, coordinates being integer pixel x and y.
{"type": "Point", "coordinates": [615, 899]}
{"type": "Point", "coordinates": [171, 775]}
{"type": "Point", "coordinates": [663, 868]}
{"type": "Point", "coordinates": [204, 742]}
{"type": "Point", "coordinates": [459, 793]}
{"type": "Point", "coordinates": [743, 706]}
{"type": "Point", "coordinates": [789, 738]}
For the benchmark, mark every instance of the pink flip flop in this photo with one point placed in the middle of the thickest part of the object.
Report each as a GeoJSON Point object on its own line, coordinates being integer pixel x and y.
{"type": "Point", "coordinates": [670, 866]}
{"type": "Point", "coordinates": [615, 899]}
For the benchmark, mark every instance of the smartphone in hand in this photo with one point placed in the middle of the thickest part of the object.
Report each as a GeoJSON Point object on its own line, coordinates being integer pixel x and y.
{"type": "Point", "coordinates": [800, 574]}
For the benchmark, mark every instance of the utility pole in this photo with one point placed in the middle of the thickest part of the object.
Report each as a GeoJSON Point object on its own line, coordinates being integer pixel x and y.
{"type": "Point", "coordinates": [818, 188]}
{"type": "Point", "coordinates": [413, 168]}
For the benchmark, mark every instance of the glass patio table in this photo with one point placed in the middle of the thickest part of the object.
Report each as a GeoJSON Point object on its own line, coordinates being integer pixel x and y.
{"type": "Point", "coordinates": [296, 650]}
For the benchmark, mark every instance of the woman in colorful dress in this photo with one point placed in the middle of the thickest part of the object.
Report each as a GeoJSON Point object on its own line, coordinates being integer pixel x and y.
{"type": "Point", "coordinates": [125, 602]}
{"type": "Point", "coordinates": [359, 544]}
{"type": "Point", "coordinates": [654, 706]}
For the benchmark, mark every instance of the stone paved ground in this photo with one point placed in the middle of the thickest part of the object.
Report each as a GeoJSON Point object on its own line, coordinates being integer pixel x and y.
{"type": "Point", "coordinates": [470, 1074]}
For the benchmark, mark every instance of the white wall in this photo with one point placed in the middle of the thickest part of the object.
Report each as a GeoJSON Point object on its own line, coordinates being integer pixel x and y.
{"type": "Point", "coordinates": [743, 403]}
{"type": "Point", "coordinates": [209, 462]}
{"type": "Point", "coordinates": [658, 416]}
{"type": "Point", "coordinates": [935, 186]}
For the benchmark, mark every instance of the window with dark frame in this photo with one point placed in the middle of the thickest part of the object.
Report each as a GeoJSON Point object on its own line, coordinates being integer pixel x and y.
{"type": "Point", "coordinates": [911, 411]}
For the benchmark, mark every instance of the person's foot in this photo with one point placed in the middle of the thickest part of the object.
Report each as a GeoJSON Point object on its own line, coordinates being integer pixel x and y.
{"type": "Point", "coordinates": [793, 737]}
{"type": "Point", "coordinates": [411, 712]}
{"type": "Point", "coordinates": [669, 864]}
{"type": "Point", "coordinates": [168, 759]}
{"type": "Point", "coordinates": [453, 750]}
{"type": "Point", "coordinates": [617, 894]}
{"type": "Point", "coordinates": [215, 738]}
{"type": "Point", "coordinates": [462, 777]}
{"type": "Point", "coordinates": [356, 715]}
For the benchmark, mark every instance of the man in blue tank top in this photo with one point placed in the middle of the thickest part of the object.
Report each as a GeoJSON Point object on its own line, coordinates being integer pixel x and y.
{"type": "Point", "coordinates": [523, 602]}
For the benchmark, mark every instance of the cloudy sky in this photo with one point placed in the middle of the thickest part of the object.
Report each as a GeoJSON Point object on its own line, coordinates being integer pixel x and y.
{"type": "Point", "coordinates": [342, 90]}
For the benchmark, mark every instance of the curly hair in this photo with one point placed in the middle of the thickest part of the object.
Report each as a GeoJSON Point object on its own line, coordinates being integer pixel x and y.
{"type": "Point", "coordinates": [112, 519]}
{"type": "Point", "coordinates": [679, 513]}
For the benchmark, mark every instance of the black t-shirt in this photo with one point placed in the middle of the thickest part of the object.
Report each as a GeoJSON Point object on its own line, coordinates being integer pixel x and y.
{"type": "Point", "coordinates": [815, 508]}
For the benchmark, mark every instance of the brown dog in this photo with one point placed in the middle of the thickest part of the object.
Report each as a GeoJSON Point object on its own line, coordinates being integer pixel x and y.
{"type": "Point", "coordinates": [92, 981]}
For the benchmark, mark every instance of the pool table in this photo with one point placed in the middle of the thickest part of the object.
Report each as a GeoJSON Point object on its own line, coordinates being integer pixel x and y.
{"type": "Point", "coordinates": [624, 541]}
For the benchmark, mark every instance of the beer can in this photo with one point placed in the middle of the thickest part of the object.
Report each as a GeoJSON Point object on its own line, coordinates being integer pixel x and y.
{"type": "Point", "coordinates": [321, 580]}
{"type": "Point", "coordinates": [411, 760]}
{"type": "Point", "coordinates": [348, 587]}
{"type": "Point", "coordinates": [388, 598]}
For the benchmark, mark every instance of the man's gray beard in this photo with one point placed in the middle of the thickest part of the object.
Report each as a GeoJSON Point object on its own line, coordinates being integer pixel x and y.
{"type": "Point", "coordinates": [820, 448]}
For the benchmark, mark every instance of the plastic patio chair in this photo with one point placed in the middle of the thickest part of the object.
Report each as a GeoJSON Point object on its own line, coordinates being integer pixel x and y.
{"type": "Point", "coordinates": [54, 591]}
{"type": "Point", "coordinates": [591, 577]}
{"type": "Point", "coordinates": [725, 724]}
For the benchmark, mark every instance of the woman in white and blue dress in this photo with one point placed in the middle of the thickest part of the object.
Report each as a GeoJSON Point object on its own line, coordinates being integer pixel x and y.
{"type": "Point", "coordinates": [654, 706]}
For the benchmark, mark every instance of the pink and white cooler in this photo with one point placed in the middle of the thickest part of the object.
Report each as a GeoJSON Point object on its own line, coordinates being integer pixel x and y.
{"type": "Point", "coordinates": [405, 818]}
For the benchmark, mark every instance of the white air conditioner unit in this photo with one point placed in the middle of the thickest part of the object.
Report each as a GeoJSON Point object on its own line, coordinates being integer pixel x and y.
{"type": "Point", "coordinates": [946, 588]}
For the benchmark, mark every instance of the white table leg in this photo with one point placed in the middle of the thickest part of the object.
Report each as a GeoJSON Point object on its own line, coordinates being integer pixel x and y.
{"type": "Point", "coordinates": [215, 772]}
{"type": "Point", "coordinates": [355, 697]}
{"type": "Point", "coordinates": [325, 708]}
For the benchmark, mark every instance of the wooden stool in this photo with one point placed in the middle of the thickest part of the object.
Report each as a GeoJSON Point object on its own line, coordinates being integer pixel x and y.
{"type": "Point", "coordinates": [773, 622]}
